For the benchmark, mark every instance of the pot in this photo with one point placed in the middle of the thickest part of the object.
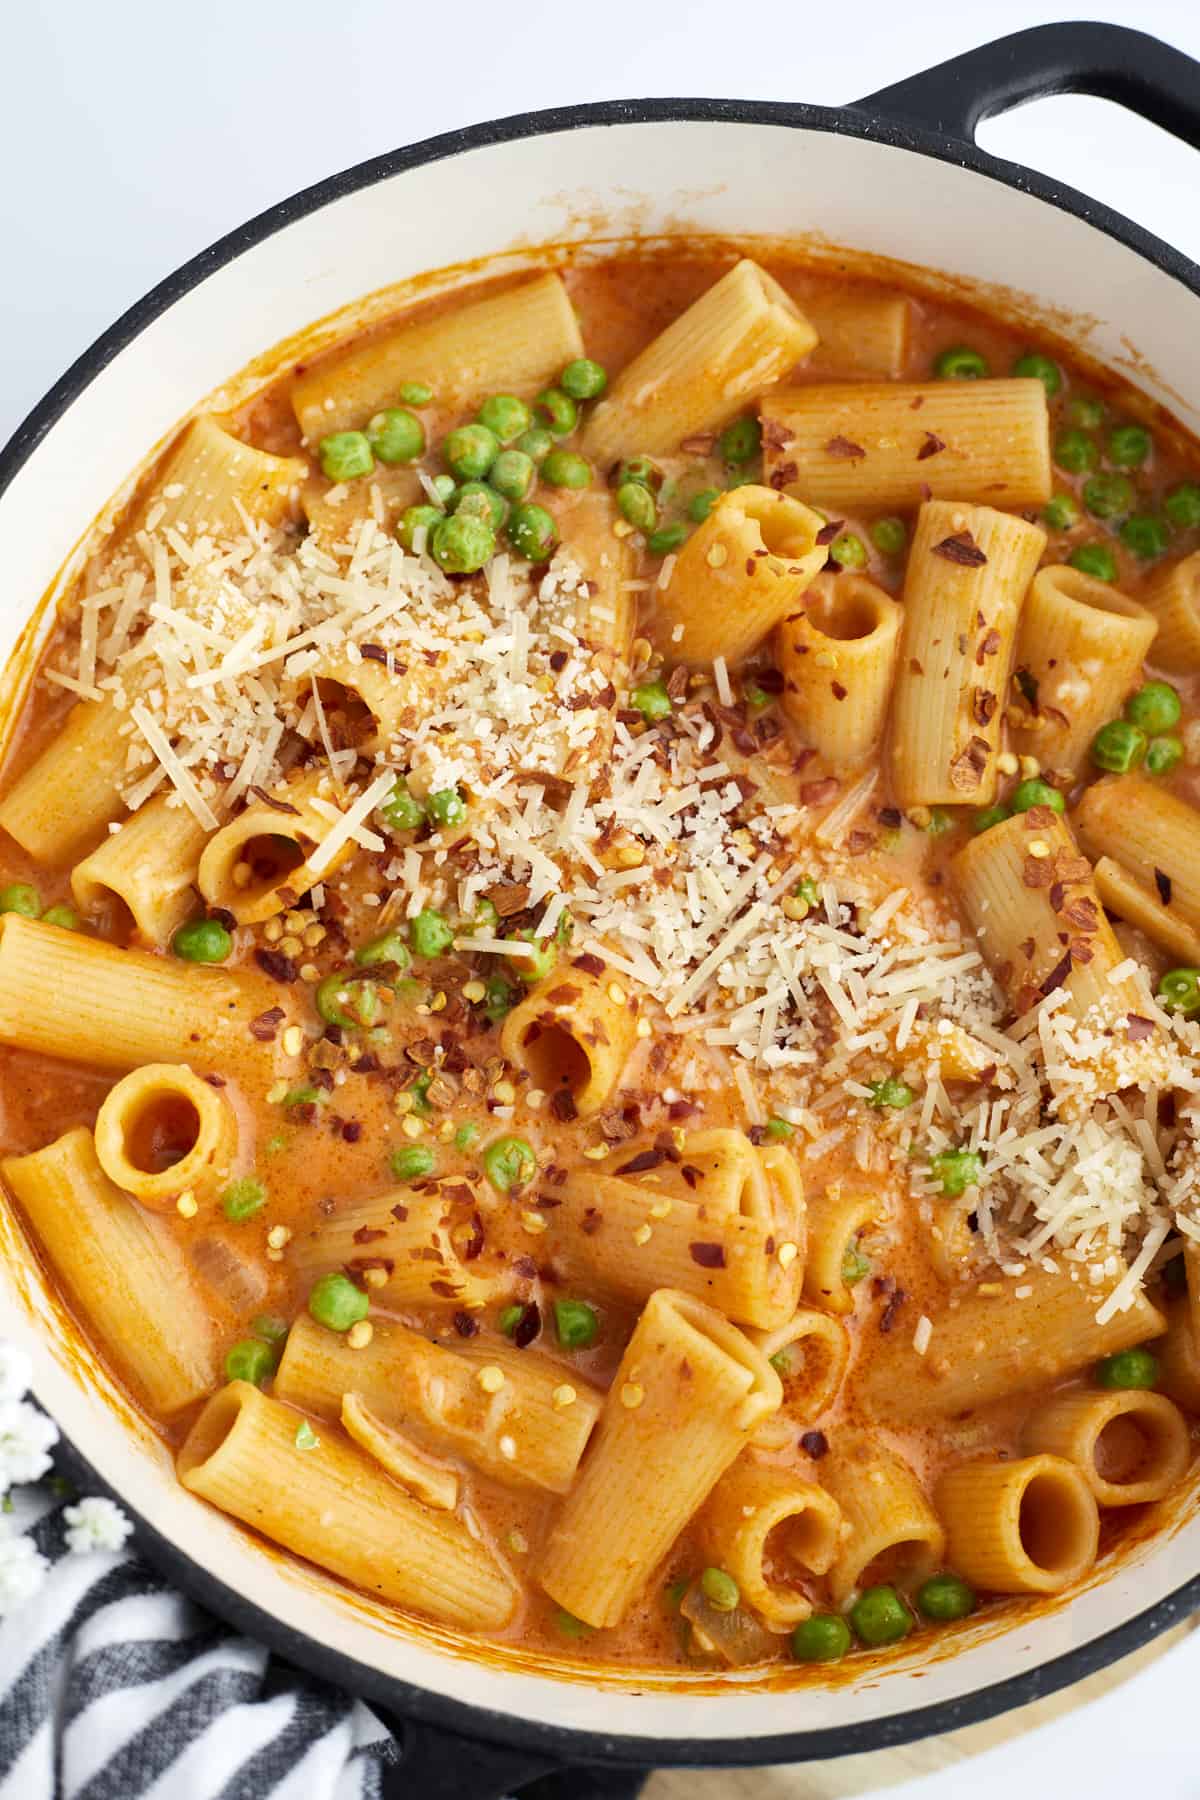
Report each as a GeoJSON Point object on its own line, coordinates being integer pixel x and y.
{"type": "Point", "coordinates": [896, 175]}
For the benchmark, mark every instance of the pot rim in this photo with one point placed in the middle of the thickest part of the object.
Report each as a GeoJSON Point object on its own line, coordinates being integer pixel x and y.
{"type": "Point", "coordinates": [439, 1709]}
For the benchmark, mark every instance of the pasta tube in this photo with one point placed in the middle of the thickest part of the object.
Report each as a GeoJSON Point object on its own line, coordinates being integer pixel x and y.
{"type": "Point", "coordinates": [517, 339]}
{"type": "Point", "coordinates": [1081, 644]}
{"type": "Point", "coordinates": [212, 482]}
{"type": "Point", "coordinates": [860, 331]}
{"type": "Point", "coordinates": [894, 1534]}
{"type": "Point", "coordinates": [810, 1354]}
{"type": "Point", "coordinates": [408, 1247]}
{"type": "Point", "coordinates": [67, 796]}
{"type": "Point", "coordinates": [162, 1132]}
{"type": "Point", "coordinates": [688, 1394]}
{"type": "Point", "coordinates": [145, 873]}
{"type": "Point", "coordinates": [257, 865]}
{"type": "Point", "coordinates": [1131, 1446]}
{"type": "Point", "coordinates": [1153, 835]}
{"type": "Point", "coordinates": [572, 1036]}
{"type": "Point", "coordinates": [836, 1219]}
{"type": "Point", "coordinates": [1025, 1527]}
{"type": "Point", "coordinates": [431, 1480]}
{"type": "Point", "coordinates": [772, 1533]}
{"type": "Point", "coordinates": [838, 655]}
{"type": "Point", "coordinates": [968, 570]}
{"type": "Point", "coordinates": [738, 576]}
{"type": "Point", "coordinates": [738, 338]}
{"type": "Point", "coordinates": [527, 1429]}
{"type": "Point", "coordinates": [873, 447]}
{"type": "Point", "coordinates": [1173, 596]}
{"type": "Point", "coordinates": [123, 1271]}
{"type": "Point", "coordinates": [324, 1499]}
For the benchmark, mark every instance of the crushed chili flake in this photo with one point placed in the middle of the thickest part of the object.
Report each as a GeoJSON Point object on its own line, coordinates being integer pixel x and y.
{"type": "Point", "coordinates": [983, 705]}
{"type": "Point", "coordinates": [828, 532]}
{"type": "Point", "coordinates": [709, 1256]}
{"type": "Point", "coordinates": [844, 447]}
{"type": "Point", "coordinates": [1138, 1027]}
{"type": "Point", "coordinates": [267, 1024]}
{"type": "Point", "coordinates": [930, 447]}
{"type": "Point", "coordinates": [1057, 975]}
{"type": "Point", "coordinates": [351, 1131]}
{"type": "Point", "coordinates": [276, 805]}
{"type": "Point", "coordinates": [275, 964]}
{"type": "Point", "coordinates": [838, 691]}
{"type": "Point", "coordinates": [988, 645]}
{"type": "Point", "coordinates": [1163, 883]}
{"type": "Point", "coordinates": [528, 1325]}
{"type": "Point", "coordinates": [819, 793]}
{"type": "Point", "coordinates": [814, 1444]}
{"type": "Point", "coordinates": [960, 547]}
{"type": "Point", "coordinates": [562, 1105]}
{"type": "Point", "coordinates": [969, 765]}
{"type": "Point", "coordinates": [782, 475]}
{"type": "Point", "coordinates": [645, 1159]}
{"type": "Point", "coordinates": [465, 1325]}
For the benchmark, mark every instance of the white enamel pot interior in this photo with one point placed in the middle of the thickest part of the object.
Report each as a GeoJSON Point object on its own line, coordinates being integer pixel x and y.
{"type": "Point", "coordinates": [745, 171]}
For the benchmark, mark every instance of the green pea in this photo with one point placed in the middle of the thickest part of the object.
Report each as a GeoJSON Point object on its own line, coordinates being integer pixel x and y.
{"type": "Point", "coordinates": [1061, 512]}
{"type": "Point", "coordinates": [1118, 747]}
{"type": "Point", "coordinates": [243, 1198]}
{"type": "Point", "coordinates": [957, 1170]}
{"type": "Point", "coordinates": [535, 968]}
{"type": "Point", "coordinates": [891, 1092]}
{"type": "Point", "coordinates": [1086, 411]}
{"type": "Point", "coordinates": [1129, 446]}
{"type": "Point", "coordinates": [412, 1163]}
{"type": "Point", "coordinates": [509, 1318]}
{"type": "Point", "coordinates": [479, 500]}
{"type": "Point", "coordinates": [470, 451]}
{"type": "Point", "coordinates": [250, 1360]}
{"type": "Point", "coordinates": [806, 891]}
{"type": "Point", "coordinates": [1096, 560]}
{"type": "Point", "coordinates": [446, 806]}
{"type": "Point", "coordinates": [940, 821]}
{"type": "Point", "coordinates": [430, 933]}
{"type": "Point", "coordinates": [781, 1362]}
{"type": "Point", "coordinates": [823, 1637]}
{"type": "Point", "coordinates": [535, 443]}
{"type": "Point", "coordinates": [889, 536]}
{"type": "Point", "coordinates": [402, 810]}
{"type": "Point", "coordinates": [462, 544]}
{"type": "Point", "coordinates": [1042, 369]}
{"type": "Point", "coordinates": [1145, 535]}
{"type": "Point", "coordinates": [19, 897]}
{"type": "Point", "coordinates": [306, 1437]}
{"type": "Point", "coordinates": [879, 1616]}
{"type": "Point", "coordinates": [1163, 754]}
{"type": "Point", "coordinates": [199, 941]}
{"type": "Point", "coordinates": [509, 1162]}
{"type": "Point", "coordinates": [269, 1328]}
{"type": "Point", "coordinates": [855, 1266]}
{"type": "Point", "coordinates": [1128, 1369]}
{"type": "Point", "coordinates": [1036, 793]}
{"type": "Point", "coordinates": [700, 505]}
{"type": "Point", "coordinates": [779, 1130]}
{"type": "Point", "coordinates": [740, 442]}
{"type": "Point", "coordinates": [444, 488]}
{"type": "Point", "coordinates": [390, 948]}
{"type": "Point", "coordinates": [945, 1597]}
{"type": "Point", "coordinates": [652, 700]}
{"type": "Point", "coordinates": [65, 917]}
{"type": "Point", "coordinates": [345, 455]}
{"type": "Point", "coordinates": [532, 532]}
{"type": "Point", "coordinates": [960, 363]}
{"type": "Point", "coordinates": [848, 551]}
{"type": "Point", "coordinates": [661, 543]}
{"type": "Point", "coordinates": [583, 379]}
{"type": "Point", "coordinates": [556, 411]}
{"type": "Point", "coordinates": [1179, 991]}
{"type": "Point", "coordinates": [566, 469]}
{"type": "Point", "coordinates": [1108, 496]}
{"type": "Point", "coordinates": [1076, 452]}
{"type": "Point", "coordinates": [416, 393]}
{"type": "Point", "coordinates": [640, 470]}
{"type": "Point", "coordinates": [350, 1004]}
{"type": "Point", "coordinates": [990, 815]}
{"type": "Point", "coordinates": [505, 417]}
{"type": "Point", "coordinates": [636, 503]}
{"type": "Point", "coordinates": [720, 1590]}
{"type": "Point", "coordinates": [418, 518]}
{"type": "Point", "coordinates": [1155, 707]}
{"type": "Point", "coordinates": [396, 435]}
{"type": "Point", "coordinates": [336, 1303]}
{"type": "Point", "coordinates": [754, 695]}
{"type": "Point", "coordinates": [486, 917]}
{"type": "Point", "coordinates": [569, 1625]}
{"type": "Point", "coordinates": [513, 474]}
{"type": "Point", "coordinates": [1182, 505]}
{"type": "Point", "coordinates": [576, 1324]}
{"type": "Point", "coordinates": [465, 1136]}
{"type": "Point", "coordinates": [419, 1093]}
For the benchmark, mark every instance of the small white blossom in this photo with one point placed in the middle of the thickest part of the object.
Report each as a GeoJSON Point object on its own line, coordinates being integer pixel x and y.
{"type": "Point", "coordinates": [95, 1524]}
{"type": "Point", "coordinates": [16, 1372]}
{"type": "Point", "coordinates": [23, 1569]}
{"type": "Point", "coordinates": [26, 1437]}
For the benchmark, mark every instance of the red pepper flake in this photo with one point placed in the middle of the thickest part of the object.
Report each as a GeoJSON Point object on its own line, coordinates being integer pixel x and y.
{"type": "Point", "coordinates": [558, 661]}
{"type": "Point", "coordinates": [837, 690]}
{"type": "Point", "coordinates": [400, 1212]}
{"type": "Point", "coordinates": [374, 652]}
{"type": "Point", "coordinates": [1083, 914]}
{"type": "Point", "coordinates": [960, 547]}
{"type": "Point", "coordinates": [782, 475]}
{"type": "Point", "coordinates": [988, 645]}
{"type": "Point", "coordinates": [368, 1234]}
{"type": "Point", "coordinates": [1163, 884]}
{"type": "Point", "coordinates": [1058, 894]}
{"type": "Point", "coordinates": [1057, 976]}
{"type": "Point", "coordinates": [528, 1325]}
{"type": "Point", "coordinates": [915, 666]}
{"type": "Point", "coordinates": [684, 1109]}
{"type": "Point", "coordinates": [465, 1325]}
{"type": "Point", "coordinates": [983, 705]}
{"type": "Point", "coordinates": [1139, 1028]}
{"type": "Point", "coordinates": [645, 1159]}
{"type": "Point", "coordinates": [267, 1024]}
{"type": "Point", "coordinates": [844, 447]}
{"type": "Point", "coordinates": [828, 532]}
{"type": "Point", "coordinates": [562, 1105]}
{"type": "Point", "coordinates": [691, 1174]}
{"type": "Point", "coordinates": [819, 793]}
{"type": "Point", "coordinates": [525, 1267]}
{"type": "Point", "coordinates": [446, 1290]}
{"type": "Point", "coordinates": [969, 765]}
{"type": "Point", "coordinates": [275, 964]}
{"type": "Point", "coordinates": [279, 806]}
{"type": "Point", "coordinates": [217, 1081]}
{"type": "Point", "coordinates": [508, 897]}
{"type": "Point", "coordinates": [930, 447]}
{"type": "Point", "coordinates": [351, 1131]}
{"type": "Point", "coordinates": [709, 1256]}
{"type": "Point", "coordinates": [859, 842]}
{"type": "Point", "coordinates": [895, 1301]}
{"type": "Point", "coordinates": [776, 434]}
{"type": "Point", "coordinates": [815, 1444]}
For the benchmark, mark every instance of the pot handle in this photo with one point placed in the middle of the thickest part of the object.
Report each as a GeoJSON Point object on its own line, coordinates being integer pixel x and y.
{"type": "Point", "coordinates": [1111, 62]}
{"type": "Point", "coordinates": [442, 1765]}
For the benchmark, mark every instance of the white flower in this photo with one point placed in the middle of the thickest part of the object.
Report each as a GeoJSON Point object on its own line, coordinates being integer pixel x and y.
{"type": "Point", "coordinates": [95, 1524]}
{"type": "Point", "coordinates": [16, 1372]}
{"type": "Point", "coordinates": [23, 1569]}
{"type": "Point", "coordinates": [26, 1435]}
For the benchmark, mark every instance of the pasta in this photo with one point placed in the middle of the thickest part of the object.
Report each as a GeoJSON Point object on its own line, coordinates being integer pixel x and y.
{"type": "Point", "coordinates": [600, 962]}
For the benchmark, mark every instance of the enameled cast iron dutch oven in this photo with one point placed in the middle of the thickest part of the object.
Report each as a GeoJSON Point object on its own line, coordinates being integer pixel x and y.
{"type": "Point", "coordinates": [898, 175]}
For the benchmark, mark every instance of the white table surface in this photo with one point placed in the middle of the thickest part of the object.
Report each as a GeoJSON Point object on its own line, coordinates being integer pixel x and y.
{"type": "Point", "coordinates": [133, 133]}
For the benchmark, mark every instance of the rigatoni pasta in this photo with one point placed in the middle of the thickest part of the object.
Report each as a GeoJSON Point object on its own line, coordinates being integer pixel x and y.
{"type": "Point", "coordinates": [837, 654]}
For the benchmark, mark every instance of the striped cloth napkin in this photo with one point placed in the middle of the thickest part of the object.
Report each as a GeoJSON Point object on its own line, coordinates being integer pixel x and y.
{"type": "Point", "coordinates": [115, 1687]}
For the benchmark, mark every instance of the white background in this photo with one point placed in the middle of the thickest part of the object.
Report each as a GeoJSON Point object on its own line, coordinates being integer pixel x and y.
{"type": "Point", "coordinates": [133, 134]}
